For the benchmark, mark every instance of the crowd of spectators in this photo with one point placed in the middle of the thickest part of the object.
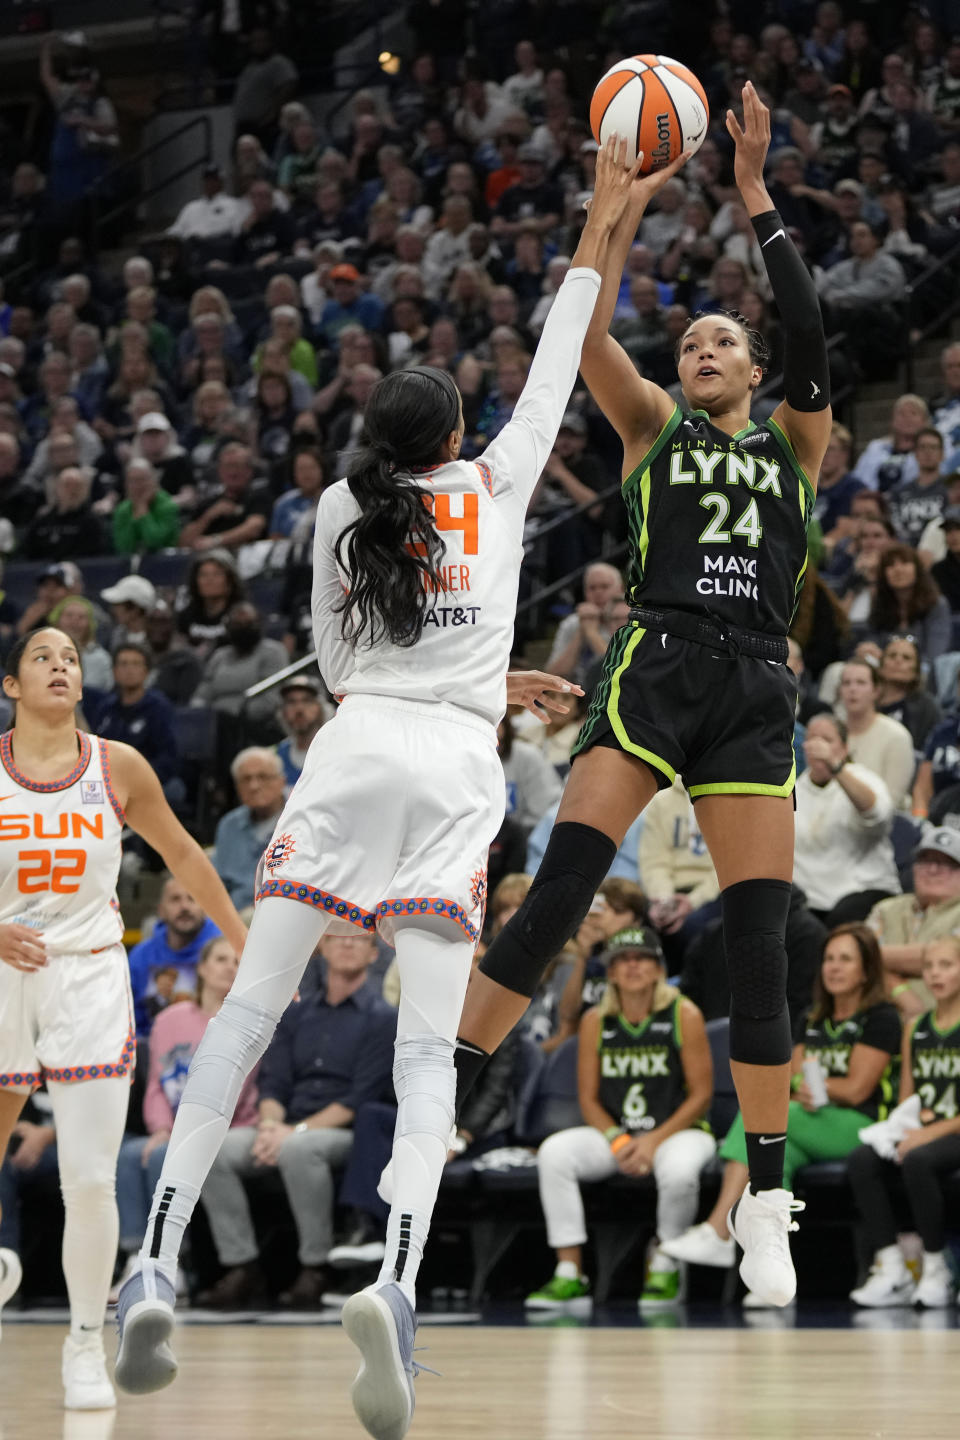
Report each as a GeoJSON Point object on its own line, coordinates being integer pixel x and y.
{"type": "Point", "coordinates": [190, 408]}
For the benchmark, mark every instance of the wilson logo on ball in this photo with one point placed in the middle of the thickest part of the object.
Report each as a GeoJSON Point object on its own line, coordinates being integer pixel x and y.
{"type": "Point", "coordinates": [656, 103]}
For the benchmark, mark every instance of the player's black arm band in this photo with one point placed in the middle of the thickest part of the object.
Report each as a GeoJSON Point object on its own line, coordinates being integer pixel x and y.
{"type": "Point", "coordinates": [806, 372]}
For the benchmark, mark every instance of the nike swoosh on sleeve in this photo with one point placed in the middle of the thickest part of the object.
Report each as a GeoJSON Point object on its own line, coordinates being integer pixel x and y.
{"type": "Point", "coordinates": [773, 237]}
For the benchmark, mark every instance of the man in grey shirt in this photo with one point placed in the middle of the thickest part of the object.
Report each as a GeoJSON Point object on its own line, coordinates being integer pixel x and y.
{"type": "Point", "coordinates": [869, 277]}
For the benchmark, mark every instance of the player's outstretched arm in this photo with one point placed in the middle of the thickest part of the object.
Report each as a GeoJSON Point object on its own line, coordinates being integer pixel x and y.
{"type": "Point", "coordinates": [636, 408]}
{"type": "Point", "coordinates": [536, 692]}
{"type": "Point", "coordinates": [145, 806]}
{"type": "Point", "coordinates": [805, 415]}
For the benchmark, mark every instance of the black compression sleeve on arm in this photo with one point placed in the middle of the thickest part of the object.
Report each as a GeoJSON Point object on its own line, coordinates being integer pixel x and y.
{"type": "Point", "coordinates": [806, 373]}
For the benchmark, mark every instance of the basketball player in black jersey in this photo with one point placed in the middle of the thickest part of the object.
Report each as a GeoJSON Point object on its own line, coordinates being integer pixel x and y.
{"type": "Point", "coordinates": [696, 683]}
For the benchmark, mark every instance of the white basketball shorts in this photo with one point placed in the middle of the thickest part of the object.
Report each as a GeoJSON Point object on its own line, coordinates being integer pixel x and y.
{"type": "Point", "coordinates": [393, 816]}
{"type": "Point", "coordinates": [71, 1021]}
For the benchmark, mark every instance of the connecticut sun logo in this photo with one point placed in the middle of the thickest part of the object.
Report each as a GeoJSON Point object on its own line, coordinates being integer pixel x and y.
{"type": "Point", "coordinates": [478, 890]}
{"type": "Point", "coordinates": [279, 851]}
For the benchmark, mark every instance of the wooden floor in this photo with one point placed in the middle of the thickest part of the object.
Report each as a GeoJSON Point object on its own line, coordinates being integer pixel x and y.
{"type": "Point", "coordinates": [273, 1383]}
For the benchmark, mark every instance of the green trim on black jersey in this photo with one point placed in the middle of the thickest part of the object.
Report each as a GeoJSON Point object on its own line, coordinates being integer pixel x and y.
{"type": "Point", "coordinates": [613, 713]}
{"type": "Point", "coordinates": [935, 1027]}
{"type": "Point", "coordinates": [658, 444]}
{"type": "Point", "coordinates": [791, 455]}
{"type": "Point", "coordinates": [743, 787]}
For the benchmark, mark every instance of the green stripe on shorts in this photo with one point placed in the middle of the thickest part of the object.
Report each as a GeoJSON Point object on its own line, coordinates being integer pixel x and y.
{"type": "Point", "coordinates": [744, 787]}
{"type": "Point", "coordinates": [613, 713]}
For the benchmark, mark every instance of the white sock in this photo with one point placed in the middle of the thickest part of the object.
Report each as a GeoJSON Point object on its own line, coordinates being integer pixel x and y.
{"type": "Point", "coordinates": [567, 1270]}
{"type": "Point", "coordinates": [425, 1082]}
{"type": "Point", "coordinates": [90, 1116]}
{"type": "Point", "coordinates": [173, 1205]}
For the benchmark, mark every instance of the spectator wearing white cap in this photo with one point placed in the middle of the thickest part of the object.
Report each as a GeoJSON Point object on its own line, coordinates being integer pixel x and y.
{"type": "Point", "coordinates": [303, 710]}
{"type": "Point", "coordinates": [147, 519]}
{"type": "Point", "coordinates": [906, 924]}
{"type": "Point", "coordinates": [131, 601]}
{"type": "Point", "coordinates": [156, 441]}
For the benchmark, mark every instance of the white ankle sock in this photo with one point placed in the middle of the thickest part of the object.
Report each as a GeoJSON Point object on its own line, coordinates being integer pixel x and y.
{"type": "Point", "coordinates": [566, 1270]}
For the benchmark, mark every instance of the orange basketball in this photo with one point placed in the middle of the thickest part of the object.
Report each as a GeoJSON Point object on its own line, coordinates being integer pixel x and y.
{"type": "Point", "coordinates": [656, 103]}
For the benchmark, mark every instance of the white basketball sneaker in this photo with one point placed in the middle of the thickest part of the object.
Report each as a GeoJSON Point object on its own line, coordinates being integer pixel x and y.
{"type": "Point", "coordinates": [889, 1282]}
{"type": "Point", "coordinates": [936, 1288]}
{"type": "Point", "coordinates": [10, 1275]}
{"type": "Point", "coordinates": [701, 1245]}
{"type": "Point", "coordinates": [84, 1371]}
{"type": "Point", "coordinates": [761, 1225]}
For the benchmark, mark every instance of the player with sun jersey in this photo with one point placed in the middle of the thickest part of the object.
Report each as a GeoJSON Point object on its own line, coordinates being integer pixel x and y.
{"type": "Point", "coordinates": [416, 569]}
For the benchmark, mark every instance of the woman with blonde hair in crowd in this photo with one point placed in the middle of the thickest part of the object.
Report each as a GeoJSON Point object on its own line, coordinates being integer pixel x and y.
{"type": "Point", "coordinates": [75, 617]}
{"type": "Point", "coordinates": [852, 1032]}
{"type": "Point", "coordinates": [467, 300]}
{"type": "Point", "coordinates": [645, 1082]}
{"type": "Point", "coordinates": [209, 300]}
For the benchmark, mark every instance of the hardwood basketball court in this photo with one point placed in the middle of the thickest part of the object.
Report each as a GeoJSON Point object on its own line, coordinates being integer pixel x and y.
{"type": "Point", "coordinates": [290, 1382]}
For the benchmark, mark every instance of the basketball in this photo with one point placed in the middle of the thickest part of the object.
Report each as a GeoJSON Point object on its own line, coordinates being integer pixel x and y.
{"type": "Point", "coordinates": [656, 103]}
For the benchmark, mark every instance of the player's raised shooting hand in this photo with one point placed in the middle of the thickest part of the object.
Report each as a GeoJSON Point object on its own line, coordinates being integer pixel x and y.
{"type": "Point", "coordinates": [752, 140]}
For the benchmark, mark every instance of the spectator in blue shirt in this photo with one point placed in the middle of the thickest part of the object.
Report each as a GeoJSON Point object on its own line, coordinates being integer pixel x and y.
{"type": "Point", "coordinates": [303, 711]}
{"type": "Point", "coordinates": [350, 305]}
{"type": "Point", "coordinates": [331, 1054]}
{"type": "Point", "coordinates": [242, 834]}
{"type": "Point", "coordinates": [309, 476]}
{"type": "Point", "coordinates": [142, 718]}
{"type": "Point", "coordinates": [163, 968]}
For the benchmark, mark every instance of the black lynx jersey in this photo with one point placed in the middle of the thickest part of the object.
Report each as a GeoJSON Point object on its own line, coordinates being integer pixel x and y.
{"type": "Point", "coordinates": [935, 1065]}
{"type": "Point", "coordinates": [718, 523]}
{"type": "Point", "coordinates": [831, 1042]}
{"type": "Point", "coordinates": [641, 1072]}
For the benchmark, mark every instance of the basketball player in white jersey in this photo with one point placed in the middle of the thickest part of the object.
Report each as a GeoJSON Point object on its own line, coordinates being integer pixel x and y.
{"type": "Point", "coordinates": [416, 567]}
{"type": "Point", "coordinates": [66, 1016]}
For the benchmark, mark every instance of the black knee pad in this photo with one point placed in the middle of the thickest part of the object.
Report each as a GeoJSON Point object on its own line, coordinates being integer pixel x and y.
{"type": "Point", "coordinates": [754, 924]}
{"type": "Point", "coordinates": [575, 863]}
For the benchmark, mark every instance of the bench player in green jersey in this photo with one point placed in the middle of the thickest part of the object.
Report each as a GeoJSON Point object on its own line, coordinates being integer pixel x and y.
{"type": "Point", "coordinates": [925, 1157]}
{"type": "Point", "coordinates": [696, 683]}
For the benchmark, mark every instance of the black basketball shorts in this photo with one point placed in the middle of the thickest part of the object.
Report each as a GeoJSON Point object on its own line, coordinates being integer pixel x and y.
{"type": "Point", "coordinates": [723, 721]}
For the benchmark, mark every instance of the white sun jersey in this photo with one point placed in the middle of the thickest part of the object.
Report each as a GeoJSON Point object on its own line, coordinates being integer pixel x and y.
{"type": "Point", "coordinates": [60, 851]}
{"type": "Point", "coordinates": [479, 508]}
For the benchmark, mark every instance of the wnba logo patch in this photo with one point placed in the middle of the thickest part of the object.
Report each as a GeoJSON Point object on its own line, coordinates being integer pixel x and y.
{"type": "Point", "coordinates": [279, 851]}
{"type": "Point", "coordinates": [91, 792]}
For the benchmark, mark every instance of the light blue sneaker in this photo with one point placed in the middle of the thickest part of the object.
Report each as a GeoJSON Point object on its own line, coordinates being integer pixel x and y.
{"type": "Point", "coordinates": [382, 1325]}
{"type": "Point", "coordinates": [145, 1322]}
